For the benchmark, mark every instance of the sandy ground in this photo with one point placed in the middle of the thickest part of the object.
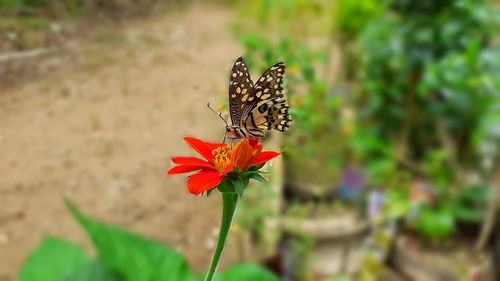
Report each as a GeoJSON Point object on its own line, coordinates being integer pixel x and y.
{"type": "Point", "coordinates": [102, 131]}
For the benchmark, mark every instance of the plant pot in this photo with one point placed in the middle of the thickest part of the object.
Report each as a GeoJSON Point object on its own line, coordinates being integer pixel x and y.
{"type": "Point", "coordinates": [347, 184]}
{"type": "Point", "coordinates": [337, 246]}
{"type": "Point", "coordinates": [306, 192]}
{"type": "Point", "coordinates": [419, 261]}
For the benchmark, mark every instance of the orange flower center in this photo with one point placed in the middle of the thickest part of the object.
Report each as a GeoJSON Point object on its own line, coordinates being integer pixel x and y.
{"type": "Point", "coordinates": [222, 157]}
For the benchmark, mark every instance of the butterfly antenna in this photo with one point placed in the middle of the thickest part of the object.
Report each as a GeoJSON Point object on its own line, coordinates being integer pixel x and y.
{"type": "Point", "coordinates": [218, 114]}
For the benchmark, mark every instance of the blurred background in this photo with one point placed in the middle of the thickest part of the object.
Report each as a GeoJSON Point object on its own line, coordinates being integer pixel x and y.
{"type": "Point", "coordinates": [391, 170]}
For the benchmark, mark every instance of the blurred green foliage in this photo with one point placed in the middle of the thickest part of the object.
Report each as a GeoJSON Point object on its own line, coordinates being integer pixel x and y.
{"type": "Point", "coordinates": [253, 211]}
{"type": "Point", "coordinates": [415, 94]}
{"type": "Point", "coordinates": [469, 205]}
{"type": "Point", "coordinates": [429, 76]}
{"type": "Point", "coordinates": [122, 256]}
{"type": "Point", "coordinates": [64, 9]}
{"type": "Point", "coordinates": [435, 222]}
{"type": "Point", "coordinates": [31, 24]}
{"type": "Point", "coordinates": [63, 3]}
{"type": "Point", "coordinates": [52, 259]}
{"type": "Point", "coordinates": [303, 62]}
{"type": "Point", "coordinates": [440, 220]}
{"type": "Point", "coordinates": [294, 31]}
{"type": "Point", "coordinates": [429, 82]}
{"type": "Point", "coordinates": [350, 17]}
{"type": "Point", "coordinates": [246, 272]}
{"type": "Point", "coordinates": [20, 3]}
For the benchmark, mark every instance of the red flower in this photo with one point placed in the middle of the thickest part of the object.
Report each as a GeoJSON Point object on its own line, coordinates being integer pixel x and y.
{"type": "Point", "coordinates": [221, 159]}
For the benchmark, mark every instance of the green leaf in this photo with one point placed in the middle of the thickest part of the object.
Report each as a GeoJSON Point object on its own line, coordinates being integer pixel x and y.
{"type": "Point", "coordinates": [248, 173]}
{"type": "Point", "coordinates": [256, 167]}
{"type": "Point", "coordinates": [435, 223]}
{"type": "Point", "coordinates": [92, 271]}
{"type": "Point", "coordinates": [239, 186]}
{"type": "Point", "coordinates": [53, 259]}
{"type": "Point", "coordinates": [133, 257]}
{"type": "Point", "coordinates": [469, 214]}
{"type": "Point", "coordinates": [258, 177]}
{"type": "Point", "coordinates": [246, 272]}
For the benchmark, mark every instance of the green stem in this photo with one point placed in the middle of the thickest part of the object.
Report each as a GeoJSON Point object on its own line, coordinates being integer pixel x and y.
{"type": "Point", "coordinates": [229, 206]}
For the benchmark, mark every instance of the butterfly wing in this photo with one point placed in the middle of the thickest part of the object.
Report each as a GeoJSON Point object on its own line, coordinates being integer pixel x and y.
{"type": "Point", "coordinates": [268, 114]}
{"type": "Point", "coordinates": [266, 107]}
{"type": "Point", "coordinates": [240, 86]}
{"type": "Point", "coordinates": [269, 85]}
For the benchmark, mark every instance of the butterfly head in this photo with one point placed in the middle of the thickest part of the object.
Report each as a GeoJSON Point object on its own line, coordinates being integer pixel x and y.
{"type": "Point", "coordinates": [232, 130]}
{"type": "Point", "coordinates": [235, 132]}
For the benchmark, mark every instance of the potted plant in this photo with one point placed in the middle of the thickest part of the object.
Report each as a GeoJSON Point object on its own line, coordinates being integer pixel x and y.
{"type": "Point", "coordinates": [317, 148]}
{"type": "Point", "coordinates": [428, 85]}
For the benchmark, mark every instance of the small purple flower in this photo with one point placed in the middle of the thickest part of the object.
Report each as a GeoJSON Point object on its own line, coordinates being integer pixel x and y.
{"type": "Point", "coordinates": [352, 183]}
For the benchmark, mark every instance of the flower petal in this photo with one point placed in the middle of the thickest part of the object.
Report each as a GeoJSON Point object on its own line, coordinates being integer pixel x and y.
{"type": "Point", "coordinates": [189, 168]}
{"type": "Point", "coordinates": [228, 169]}
{"type": "Point", "coordinates": [189, 161]}
{"type": "Point", "coordinates": [203, 181]}
{"type": "Point", "coordinates": [264, 157]}
{"type": "Point", "coordinates": [242, 154]}
{"type": "Point", "coordinates": [256, 152]}
{"type": "Point", "coordinates": [253, 142]}
{"type": "Point", "coordinates": [203, 148]}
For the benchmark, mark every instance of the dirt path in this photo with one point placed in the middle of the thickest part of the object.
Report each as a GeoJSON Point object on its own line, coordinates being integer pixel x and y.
{"type": "Point", "coordinates": [102, 132]}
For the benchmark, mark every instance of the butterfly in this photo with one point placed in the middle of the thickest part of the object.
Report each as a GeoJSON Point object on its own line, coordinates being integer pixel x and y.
{"type": "Point", "coordinates": [259, 106]}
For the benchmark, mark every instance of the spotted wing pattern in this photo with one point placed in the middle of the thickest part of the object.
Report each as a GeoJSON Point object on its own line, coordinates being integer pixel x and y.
{"type": "Point", "coordinates": [266, 107]}
{"type": "Point", "coordinates": [240, 86]}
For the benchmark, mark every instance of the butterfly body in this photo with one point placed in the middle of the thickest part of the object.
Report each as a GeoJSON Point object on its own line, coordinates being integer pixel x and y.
{"type": "Point", "coordinates": [259, 106]}
{"type": "Point", "coordinates": [236, 132]}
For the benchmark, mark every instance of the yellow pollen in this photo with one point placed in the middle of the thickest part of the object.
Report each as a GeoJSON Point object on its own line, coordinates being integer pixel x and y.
{"type": "Point", "coordinates": [222, 157]}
